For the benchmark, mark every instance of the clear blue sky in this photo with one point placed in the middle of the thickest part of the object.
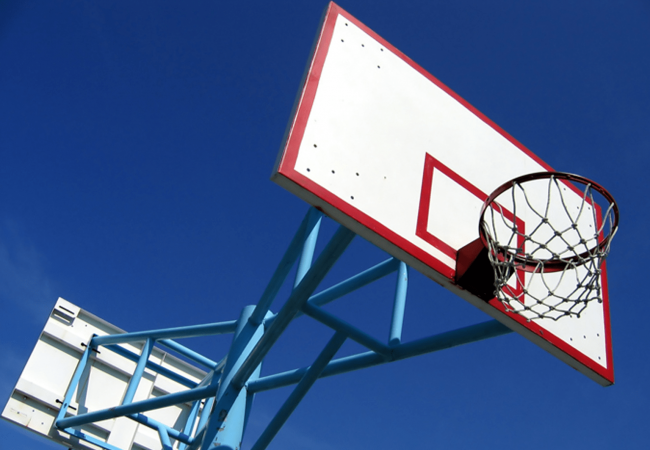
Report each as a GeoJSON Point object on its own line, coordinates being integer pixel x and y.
{"type": "Point", "coordinates": [136, 144]}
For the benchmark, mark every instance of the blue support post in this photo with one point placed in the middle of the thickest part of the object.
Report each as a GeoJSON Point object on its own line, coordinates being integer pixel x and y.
{"type": "Point", "coordinates": [298, 297]}
{"type": "Point", "coordinates": [314, 218]}
{"type": "Point", "coordinates": [139, 370]}
{"type": "Point", "coordinates": [356, 282]}
{"type": "Point", "coordinates": [461, 336]}
{"type": "Point", "coordinates": [347, 329]}
{"type": "Point", "coordinates": [203, 419]}
{"type": "Point", "coordinates": [153, 366]}
{"type": "Point", "coordinates": [350, 285]}
{"type": "Point", "coordinates": [138, 407]}
{"type": "Point", "coordinates": [189, 423]}
{"type": "Point", "coordinates": [92, 439]}
{"type": "Point", "coordinates": [166, 333]}
{"type": "Point", "coordinates": [76, 377]}
{"type": "Point", "coordinates": [281, 271]}
{"type": "Point", "coordinates": [300, 391]}
{"type": "Point", "coordinates": [225, 427]}
{"type": "Point", "coordinates": [154, 424]}
{"type": "Point", "coordinates": [399, 305]}
{"type": "Point", "coordinates": [190, 354]}
{"type": "Point", "coordinates": [164, 439]}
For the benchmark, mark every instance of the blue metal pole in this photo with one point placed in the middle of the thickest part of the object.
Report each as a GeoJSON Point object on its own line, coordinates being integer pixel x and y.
{"type": "Point", "coordinates": [137, 407]}
{"type": "Point", "coordinates": [203, 420]}
{"type": "Point", "coordinates": [153, 366]}
{"type": "Point", "coordinates": [93, 440]}
{"type": "Point", "coordinates": [296, 300]}
{"type": "Point", "coordinates": [308, 248]}
{"type": "Point", "coordinates": [154, 424]}
{"type": "Point", "coordinates": [190, 354]}
{"type": "Point", "coordinates": [281, 272]}
{"type": "Point", "coordinates": [349, 330]}
{"type": "Point", "coordinates": [164, 439]}
{"type": "Point", "coordinates": [454, 338]}
{"type": "Point", "coordinates": [137, 373]}
{"type": "Point", "coordinates": [300, 391]}
{"type": "Point", "coordinates": [225, 427]}
{"type": "Point", "coordinates": [353, 283]}
{"type": "Point", "coordinates": [74, 383]}
{"type": "Point", "coordinates": [461, 336]}
{"type": "Point", "coordinates": [189, 423]}
{"type": "Point", "coordinates": [350, 285]}
{"type": "Point", "coordinates": [399, 305]}
{"type": "Point", "coordinates": [167, 333]}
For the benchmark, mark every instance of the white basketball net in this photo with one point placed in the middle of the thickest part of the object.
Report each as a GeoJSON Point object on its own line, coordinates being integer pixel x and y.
{"type": "Point", "coordinates": [547, 263]}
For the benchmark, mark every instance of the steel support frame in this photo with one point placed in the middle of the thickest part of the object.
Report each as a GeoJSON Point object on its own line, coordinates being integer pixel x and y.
{"type": "Point", "coordinates": [232, 382]}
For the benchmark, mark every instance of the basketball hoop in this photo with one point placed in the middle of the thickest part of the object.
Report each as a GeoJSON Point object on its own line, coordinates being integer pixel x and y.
{"type": "Point", "coordinates": [537, 238]}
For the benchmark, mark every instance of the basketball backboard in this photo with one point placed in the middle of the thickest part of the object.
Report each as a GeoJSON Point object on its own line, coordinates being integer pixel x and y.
{"type": "Point", "coordinates": [386, 149]}
{"type": "Point", "coordinates": [36, 400]}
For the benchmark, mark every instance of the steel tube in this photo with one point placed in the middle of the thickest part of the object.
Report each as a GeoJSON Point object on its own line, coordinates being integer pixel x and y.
{"type": "Point", "coordinates": [309, 246]}
{"type": "Point", "coordinates": [399, 306]}
{"type": "Point", "coordinates": [189, 423]}
{"type": "Point", "coordinates": [350, 285]}
{"type": "Point", "coordinates": [281, 272]}
{"type": "Point", "coordinates": [153, 366]}
{"type": "Point", "coordinates": [205, 416]}
{"type": "Point", "coordinates": [188, 353]}
{"type": "Point", "coordinates": [226, 424]}
{"type": "Point", "coordinates": [341, 365]}
{"type": "Point", "coordinates": [430, 344]}
{"type": "Point", "coordinates": [353, 283]}
{"type": "Point", "coordinates": [164, 439]}
{"type": "Point", "coordinates": [300, 391]}
{"type": "Point", "coordinates": [91, 439]}
{"type": "Point", "coordinates": [296, 300]}
{"type": "Point", "coordinates": [155, 425]}
{"type": "Point", "coordinates": [137, 373]}
{"type": "Point", "coordinates": [343, 327]}
{"type": "Point", "coordinates": [167, 333]}
{"type": "Point", "coordinates": [454, 338]}
{"type": "Point", "coordinates": [73, 384]}
{"type": "Point", "coordinates": [138, 407]}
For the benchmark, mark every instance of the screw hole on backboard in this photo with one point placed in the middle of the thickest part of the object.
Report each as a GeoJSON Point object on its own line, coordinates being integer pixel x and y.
{"type": "Point", "coordinates": [352, 197]}
{"type": "Point", "coordinates": [315, 146]}
{"type": "Point", "coordinates": [333, 171]}
{"type": "Point", "coordinates": [378, 67]}
{"type": "Point", "coordinates": [381, 49]}
{"type": "Point", "coordinates": [308, 170]}
{"type": "Point", "coordinates": [342, 40]}
{"type": "Point", "coordinates": [357, 173]}
{"type": "Point", "coordinates": [346, 24]}
{"type": "Point", "coordinates": [362, 45]}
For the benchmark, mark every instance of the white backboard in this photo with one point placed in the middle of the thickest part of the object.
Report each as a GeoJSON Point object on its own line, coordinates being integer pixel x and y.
{"type": "Point", "coordinates": [36, 399]}
{"type": "Point", "coordinates": [386, 149]}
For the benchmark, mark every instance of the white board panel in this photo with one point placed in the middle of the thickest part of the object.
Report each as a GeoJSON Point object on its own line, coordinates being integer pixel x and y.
{"type": "Point", "coordinates": [35, 401]}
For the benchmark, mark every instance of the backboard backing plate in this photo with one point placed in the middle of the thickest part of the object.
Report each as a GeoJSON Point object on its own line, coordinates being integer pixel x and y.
{"type": "Point", "coordinates": [35, 401]}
